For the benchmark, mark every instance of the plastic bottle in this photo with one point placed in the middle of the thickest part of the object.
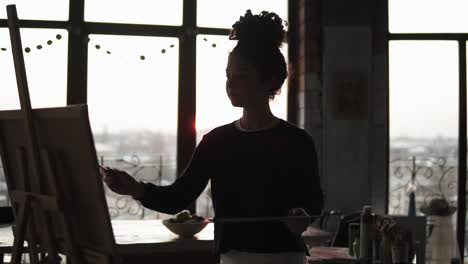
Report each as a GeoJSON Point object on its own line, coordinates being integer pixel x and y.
{"type": "Point", "coordinates": [367, 223]}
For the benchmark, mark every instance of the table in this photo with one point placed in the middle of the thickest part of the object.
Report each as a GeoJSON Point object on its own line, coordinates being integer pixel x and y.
{"type": "Point", "coordinates": [148, 241]}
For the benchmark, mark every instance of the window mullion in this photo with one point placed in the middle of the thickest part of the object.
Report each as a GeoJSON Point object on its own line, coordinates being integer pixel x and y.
{"type": "Point", "coordinates": [37, 24]}
{"type": "Point", "coordinates": [133, 30]}
{"type": "Point", "coordinates": [462, 148]}
{"type": "Point", "coordinates": [77, 55]}
{"type": "Point", "coordinates": [186, 135]}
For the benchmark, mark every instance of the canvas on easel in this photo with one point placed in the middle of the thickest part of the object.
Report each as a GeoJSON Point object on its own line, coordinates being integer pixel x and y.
{"type": "Point", "coordinates": [71, 187]}
{"type": "Point", "coordinates": [52, 176]}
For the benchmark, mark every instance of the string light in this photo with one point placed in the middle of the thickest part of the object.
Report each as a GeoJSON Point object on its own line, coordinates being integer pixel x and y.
{"type": "Point", "coordinates": [97, 46]}
{"type": "Point", "coordinates": [213, 45]}
{"type": "Point", "coordinates": [142, 57]}
{"type": "Point", "coordinates": [39, 47]}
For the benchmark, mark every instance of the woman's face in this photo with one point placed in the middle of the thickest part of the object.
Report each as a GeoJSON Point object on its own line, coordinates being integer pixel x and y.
{"type": "Point", "coordinates": [243, 85]}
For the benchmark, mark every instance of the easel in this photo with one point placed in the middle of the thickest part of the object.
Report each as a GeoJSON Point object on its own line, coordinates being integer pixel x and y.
{"type": "Point", "coordinates": [37, 193]}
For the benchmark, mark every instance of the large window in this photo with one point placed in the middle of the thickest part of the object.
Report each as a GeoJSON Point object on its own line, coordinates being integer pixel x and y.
{"type": "Point", "coordinates": [140, 60]}
{"type": "Point", "coordinates": [427, 74]}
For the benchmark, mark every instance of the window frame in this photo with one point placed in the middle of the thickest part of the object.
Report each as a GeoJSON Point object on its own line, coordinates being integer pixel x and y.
{"type": "Point", "coordinates": [79, 30]}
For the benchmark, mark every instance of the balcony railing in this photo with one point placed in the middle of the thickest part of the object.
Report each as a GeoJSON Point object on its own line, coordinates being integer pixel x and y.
{"type": "Point", "coordinates": [159, 171]}
{"type": "Point", "coordinates": [426, 176]}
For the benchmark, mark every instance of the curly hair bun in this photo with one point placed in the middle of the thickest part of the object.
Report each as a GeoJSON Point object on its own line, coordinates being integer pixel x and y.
{"type": "Point", "coordinates": [264, 30]}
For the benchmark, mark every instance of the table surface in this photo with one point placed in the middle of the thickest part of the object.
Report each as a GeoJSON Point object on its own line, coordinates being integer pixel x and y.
{"type": "Point", "coordinates": [140, 236]}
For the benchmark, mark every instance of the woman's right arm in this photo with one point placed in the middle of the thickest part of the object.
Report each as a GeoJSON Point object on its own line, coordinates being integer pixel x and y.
{"type": "Point", "coordinates": [177, 196]}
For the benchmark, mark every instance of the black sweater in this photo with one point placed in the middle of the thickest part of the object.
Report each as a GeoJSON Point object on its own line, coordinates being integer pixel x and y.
{"type": "Point", "coordinates": [253, 174]}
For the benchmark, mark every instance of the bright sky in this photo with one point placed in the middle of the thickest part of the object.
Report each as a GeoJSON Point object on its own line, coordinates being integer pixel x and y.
{"type": "Point", "coordinates": [424, 74]}
{"type": "Point", "coordinates": [424, 88]}
{"type": "Point", "coordinates": [428, 16]}
{"type": "Point", "coordinates": [126, 92]}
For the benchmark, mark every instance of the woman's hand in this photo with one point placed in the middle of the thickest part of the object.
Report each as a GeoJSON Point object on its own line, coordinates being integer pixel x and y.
{"type": "Point", "coordinates": [298, 225]}
{"type": "Point", "coordinates": [121, 182]}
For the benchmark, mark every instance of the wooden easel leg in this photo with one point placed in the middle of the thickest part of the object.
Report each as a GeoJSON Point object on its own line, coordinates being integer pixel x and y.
{"type": "Point", "coordinates": [48, 239]}
{"type": "Point", "coordinates": [32, 243]}
{"type": "Point", "coordinates": [19, 234]}
{"type": "Point", "coordinates": [53, 256]}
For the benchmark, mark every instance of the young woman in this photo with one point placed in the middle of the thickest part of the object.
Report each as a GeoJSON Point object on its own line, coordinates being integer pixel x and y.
{"type": "Point", "coordinates": [259, 165]}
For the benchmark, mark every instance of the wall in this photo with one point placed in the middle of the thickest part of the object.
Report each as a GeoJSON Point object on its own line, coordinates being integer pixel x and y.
{"type": "Point", "coordinates": [343, 98]}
